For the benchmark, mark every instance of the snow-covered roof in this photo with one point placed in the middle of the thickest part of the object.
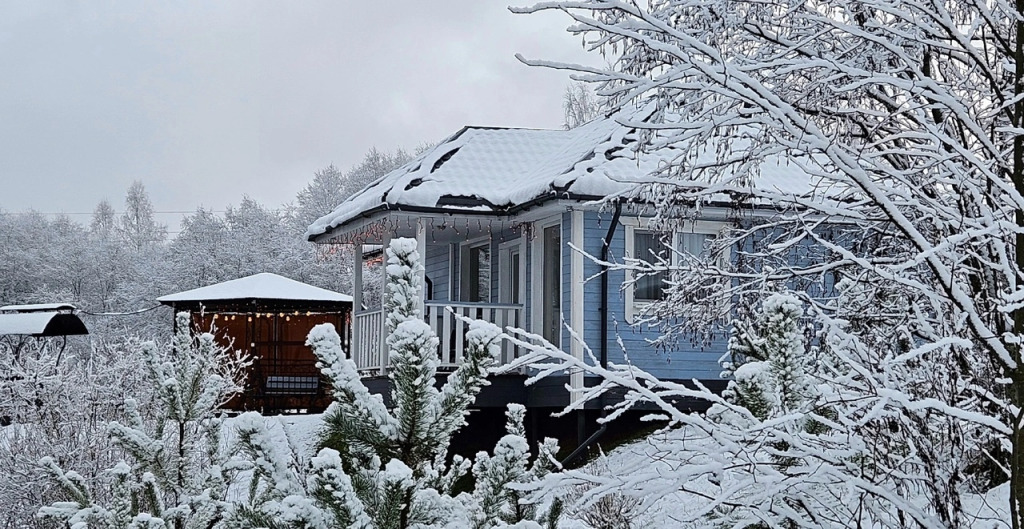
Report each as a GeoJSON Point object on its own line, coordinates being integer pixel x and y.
{"type": "Point", "coordinates": [258, 286]}
{"type": "Point", "coordinates": [497, 169]}
{"type": "Point", "coordinates": [36, 307]}
{"type": "Point", "coordinates": [41, 324]}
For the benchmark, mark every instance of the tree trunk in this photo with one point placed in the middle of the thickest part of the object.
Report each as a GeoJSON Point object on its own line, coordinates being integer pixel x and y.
{"type": "Point", "coordinates": [1016, 372]}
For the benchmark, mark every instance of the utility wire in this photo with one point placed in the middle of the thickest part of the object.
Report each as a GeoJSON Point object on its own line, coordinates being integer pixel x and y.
{"type": "Point", "coordinates": [119, 313]}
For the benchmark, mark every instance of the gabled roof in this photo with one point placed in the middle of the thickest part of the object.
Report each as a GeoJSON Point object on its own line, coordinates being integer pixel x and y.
{"type": "Point", "coordinates": [496, 170]}
{"type": "Point", "coordinates": [258, 286]}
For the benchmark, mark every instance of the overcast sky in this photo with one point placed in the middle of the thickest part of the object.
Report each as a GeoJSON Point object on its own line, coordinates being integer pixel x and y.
{"type": "Point", "coordinates": [205, 102]}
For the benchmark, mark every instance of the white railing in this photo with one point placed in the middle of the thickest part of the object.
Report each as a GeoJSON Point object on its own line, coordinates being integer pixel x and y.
{"type": "Point", "coordinates": [451, 332]}
{"type": "Point", "coordinates": [367, 341]}
{"type": "Point", "coordinates": [368, 336]}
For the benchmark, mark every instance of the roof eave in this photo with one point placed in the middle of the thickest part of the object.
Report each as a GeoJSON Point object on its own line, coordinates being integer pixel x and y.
{"type": "Point", "coordinates": [368, 215]}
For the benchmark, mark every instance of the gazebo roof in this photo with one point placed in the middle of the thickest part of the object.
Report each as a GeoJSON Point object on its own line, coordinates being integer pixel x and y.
{"type": "Point", "coordinates": [41, 324]}
{"type": "Point", "coordinates": [263, 286]}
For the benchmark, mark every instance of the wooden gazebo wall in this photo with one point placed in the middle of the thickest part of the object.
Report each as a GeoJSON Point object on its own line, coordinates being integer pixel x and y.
{"type": "Point", "coordinates": [283, 374]}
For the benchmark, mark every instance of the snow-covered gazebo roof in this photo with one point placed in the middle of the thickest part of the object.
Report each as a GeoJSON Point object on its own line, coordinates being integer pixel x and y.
{"type": "Point", "coordinates": [265, 286]}
{"type": "Point", "coordinates": [501, 170]}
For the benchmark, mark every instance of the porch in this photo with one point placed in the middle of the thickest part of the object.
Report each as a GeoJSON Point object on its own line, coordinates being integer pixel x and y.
{"type": "Point", "coordinates": [473, 268]}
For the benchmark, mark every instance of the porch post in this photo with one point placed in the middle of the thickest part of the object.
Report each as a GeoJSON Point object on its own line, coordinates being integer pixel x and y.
{"type": "Point", "coordinates": [357, 298]}
{"type": "Point", "coordinates": [576, 298]}
{"type": "Point", "coordinates": [386, 241]}
{"type": "Point", "coordinates": [421, 247]}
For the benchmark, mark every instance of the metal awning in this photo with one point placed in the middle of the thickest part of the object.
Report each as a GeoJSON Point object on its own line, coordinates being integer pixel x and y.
{"type": "Point", "coordinates": [41, 324]}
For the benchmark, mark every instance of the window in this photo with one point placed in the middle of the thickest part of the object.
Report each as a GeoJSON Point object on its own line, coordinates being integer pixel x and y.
{"type": "Point", "coordinates": [652, 247]}
{"type": "Point", "coordinates": [475, 284]}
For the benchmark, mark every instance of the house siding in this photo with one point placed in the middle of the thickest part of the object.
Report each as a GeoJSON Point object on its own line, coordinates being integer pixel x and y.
{"type": "Point", "coordinates": [436, 266]}
{"type": "Point", "coordinates": [685, 360]}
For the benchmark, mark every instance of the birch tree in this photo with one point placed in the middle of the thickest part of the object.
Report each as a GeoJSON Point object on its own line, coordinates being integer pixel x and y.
{"type": "Point", "coordinates": [905, 118]}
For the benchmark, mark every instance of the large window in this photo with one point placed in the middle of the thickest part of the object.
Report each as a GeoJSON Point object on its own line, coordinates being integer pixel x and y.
{"type": "Point", "coordinates": [656, 248]}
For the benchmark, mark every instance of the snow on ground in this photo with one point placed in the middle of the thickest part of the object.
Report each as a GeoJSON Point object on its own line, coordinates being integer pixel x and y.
{"type": "Point", "coordinates": [986, 511]}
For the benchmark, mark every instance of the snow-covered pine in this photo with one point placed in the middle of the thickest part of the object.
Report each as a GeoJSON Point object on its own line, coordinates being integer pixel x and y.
{"type": "Point", "coordinates": [768, 359]}
{"type": "Point", "coordinates": [499, 496]}
{"type": "Point", "coordinates": [177, 471]}
{"type": "Point", "coordinates": [387, 467]}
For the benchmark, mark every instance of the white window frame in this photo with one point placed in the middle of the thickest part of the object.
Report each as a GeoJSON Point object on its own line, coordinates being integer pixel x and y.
{"type": "Point", "coordinates": [537, 275]}
{"type": "Point", "coordinates": [464, 249]}
{"type": "Point", "coordinates": [634, 224]}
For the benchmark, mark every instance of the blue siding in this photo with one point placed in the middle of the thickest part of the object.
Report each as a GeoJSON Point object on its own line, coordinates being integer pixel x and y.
{"type": "Point", "coordinates": [683, 361]}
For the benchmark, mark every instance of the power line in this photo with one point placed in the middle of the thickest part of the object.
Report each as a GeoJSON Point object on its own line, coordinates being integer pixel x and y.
{"type": "Point", "coordinates": [116, 212]}
{"type": "Point", "coordinates": [183, 212]}
{"type": "Point", "coordinates": [119, 313]}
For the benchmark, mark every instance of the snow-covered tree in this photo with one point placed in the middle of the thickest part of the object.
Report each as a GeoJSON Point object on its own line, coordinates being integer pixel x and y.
{"type": "Point", "coordinates": [579, 105]}
{"type": "Point", "coordinates": [824, 437]}
{"type": "Point", "coordinates": [330, 186]}
{"type": "Point", "coordinates": [768, 360]}
{"type": "Point", "coordinates": [906, 119]}
{"type": "Point", "coordinates": [501, 478]}
{"type": "Point", "coordinates": [177, 470]}
{"type": "Point", "coordinates": [138, 226]}
{"type": "Point", "coordinates": [386, 465]}
{"type": "Point", "coordinates": [104, 220]}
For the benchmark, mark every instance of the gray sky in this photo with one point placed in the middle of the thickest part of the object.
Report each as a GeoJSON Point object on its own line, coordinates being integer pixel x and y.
{"type": "Point", "coordinates": [206, 101]}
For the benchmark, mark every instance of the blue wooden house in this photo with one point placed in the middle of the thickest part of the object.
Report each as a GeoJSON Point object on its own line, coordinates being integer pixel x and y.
{"type": "Point", "coordinates": [496, 213]}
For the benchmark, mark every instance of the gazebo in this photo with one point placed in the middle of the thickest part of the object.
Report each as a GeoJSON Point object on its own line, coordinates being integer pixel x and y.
{"type": "Point", "coordinates": [18, 323]}
{"type": "Point", "coordinates": [268, 317]}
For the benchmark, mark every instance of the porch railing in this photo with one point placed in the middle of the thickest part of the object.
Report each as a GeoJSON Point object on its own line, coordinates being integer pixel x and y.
{"type": "Point", "coordinates": [368, 338]}
{"type": "Point", "coordinates": [451, 332]}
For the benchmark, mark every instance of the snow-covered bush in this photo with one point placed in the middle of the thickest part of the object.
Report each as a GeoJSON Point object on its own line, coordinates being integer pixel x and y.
{"type": "Point", "coordinates": [56, 402]}
{"type": "Point", "coordinates": [177, 470]}
{"type": "Point", "coordinates": [617, 510]}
